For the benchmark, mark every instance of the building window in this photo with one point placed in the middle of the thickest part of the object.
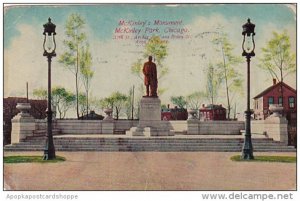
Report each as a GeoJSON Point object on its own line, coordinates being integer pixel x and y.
{"type": "Point", "coordinates": [291, 102]}
{"type": "Point", "coordinates": [280, 101]}
{"type": "Point", "coordinates": [270, 100]}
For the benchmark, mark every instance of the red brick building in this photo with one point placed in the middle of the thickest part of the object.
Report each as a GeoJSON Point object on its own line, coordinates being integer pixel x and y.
{"type": "Point", "coordinates": [212, 112]}
{"type": "Point", "coordinates": [174, 114]}
{"type": "Point", "coordinates": [273, 95]}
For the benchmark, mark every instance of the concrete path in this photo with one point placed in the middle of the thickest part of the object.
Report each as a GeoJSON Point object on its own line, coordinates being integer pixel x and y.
{"type": "Point", "coordinates": [150, 171]}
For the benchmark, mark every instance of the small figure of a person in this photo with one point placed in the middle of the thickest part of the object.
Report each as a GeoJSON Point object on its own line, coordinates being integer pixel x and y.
{"type": "Point", "coordinates": [150, 79]}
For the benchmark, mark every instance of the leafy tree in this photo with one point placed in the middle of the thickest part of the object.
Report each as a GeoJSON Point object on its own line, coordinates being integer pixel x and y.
{"type": "Point", "coordinates": [119, 101]}
{"type": "Point", "coordinates": [179, 101]}
{"type": "Point", "coordinates": [194, 100]}
{"type": "Point", "coordinates": [214, 79]}
{"type": "Point", "coordinates": [82, 103]}
{"type": "Point", "coordinates": [136, 69]}
{"type": "Point", "coordinates": [86, 72]}
{"type": "Point", "coordinates": [107, 102]}
{"type": "Point", "coordinates": [232, 78]}
{"type": "Point", "coordinates": [40, 94]}
{"type": "Point", "coordinates": [156, 48]}
{"type": "Point", "coordinates": [116, 101]}
{"type": "Point", "coordinates": [277, 57]}
{"type": "Point", "coordinates": [94, 103]}
{"type": "Point", "coordinates": [164, 107]}
{"type": "Point", "coordinates": [62, 100]}
{"type": "Point", "coordinates": [74, 43]}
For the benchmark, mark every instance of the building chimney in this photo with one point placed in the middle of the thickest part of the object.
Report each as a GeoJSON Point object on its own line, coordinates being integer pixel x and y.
{"type": "Point", "coordinates": [274, 81]}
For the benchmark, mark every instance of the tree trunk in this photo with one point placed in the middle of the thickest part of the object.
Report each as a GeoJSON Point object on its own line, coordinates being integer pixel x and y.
{"type": "Point", "coordinates": [226, 85]}
{"type": "Point", "coordinates": [76, 78]}
{"type": "Point", "coordinates": [281, 88]}
{"type": "Point", "coordinates": [77, 96]}
{"type": "Point", "coordinates": [117, 113]}
{"type": "Point", "coordinates": [228, 101]}
{"type": "Point", "coordinates": [87, 98]}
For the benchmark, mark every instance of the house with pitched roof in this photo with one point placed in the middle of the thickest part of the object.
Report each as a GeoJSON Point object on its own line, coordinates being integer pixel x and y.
{"type": "Point", "coordinates": [273, 95]}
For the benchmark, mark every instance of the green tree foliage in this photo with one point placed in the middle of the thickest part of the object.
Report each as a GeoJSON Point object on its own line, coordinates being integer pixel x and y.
{"type": "Point", "coordinates": [116, 101]}
{"type": "Point", "coordinates": [136, 69]}
{"type": "Point", "coordinates": [82, 103]}
{"type": "Point", "coordinates": [40, 94]}
{"type": "Point", "coordinates": [119, 101]}
{"type": "Point", "coordinates": [179, 101]}
{"type": "Point", "coordinates": [107, 102]}
{"type": "Point", "coordinates": [74, 30]}
{"type": "Point", "coordinates": [277, 58]}
{"type": "Point", "coordinates": [156, 48]}
{"type": "Point", "coordinates": [194, 100]}
{"type": "Point", "coordinates": [94, 103]}
{"type": "Point", "coordinates": [164, 107]}
{"type": "Point", "coordinates": [227, 67]}
{"type": "Point", "coordinates": [62, 100]}
{"type": "Point", "coordinates": [86, 72]}
{"type": "Point", "coordinates": [214, 79]}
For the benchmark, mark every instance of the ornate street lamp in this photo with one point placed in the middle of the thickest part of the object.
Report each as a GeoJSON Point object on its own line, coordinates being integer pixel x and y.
{"type": "Point", "coordinates": [248, 51]}
{"type": "Point", "coordinates": [49, 52]}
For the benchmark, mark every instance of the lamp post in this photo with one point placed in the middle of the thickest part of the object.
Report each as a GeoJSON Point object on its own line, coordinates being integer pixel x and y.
{"type": "Point", "coordinates": [49, 46]}
{"type": "Point", "coordinates": [248, 51]}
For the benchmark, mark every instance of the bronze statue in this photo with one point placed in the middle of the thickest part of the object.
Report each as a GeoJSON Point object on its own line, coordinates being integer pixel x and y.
{"type": "Point", "coordinates": [150, 79]}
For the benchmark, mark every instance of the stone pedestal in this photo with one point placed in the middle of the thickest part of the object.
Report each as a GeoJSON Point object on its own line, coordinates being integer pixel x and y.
{"type": "Point", "coordinates": [108, 122]}
{"type": "Point", "coordinates": [23, 124]}
{"type": "Point", "coordinates": [107, 127]}
{"type": "Point", "coordinates": [108, 112]}
{"type": "Point", "coordinates": [277, 128]}
{"type": "Point", "coordinates": [193, 126]}
{"type": "Point", "coordinates": [150, 123]}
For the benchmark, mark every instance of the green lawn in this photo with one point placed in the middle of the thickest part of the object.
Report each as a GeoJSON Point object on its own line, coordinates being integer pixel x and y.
{"type": "Point", "coordinates": [281, 159]}
{"type": "Point", "coordinates": [31, 159]}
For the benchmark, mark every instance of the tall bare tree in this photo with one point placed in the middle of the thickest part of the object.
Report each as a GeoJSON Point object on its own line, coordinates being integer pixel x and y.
{"type": "Point", "coordinates": [86, 72]}
{"type": "Point", "coordinates": [214, 79]}
{"type": "Point", "coordinates": [227, 66]}
{"type": "Point", "coordinates": [74, 30]}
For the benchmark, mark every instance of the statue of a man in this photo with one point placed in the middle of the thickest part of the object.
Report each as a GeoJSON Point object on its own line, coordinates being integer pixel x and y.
{"type": "Point", "coordinates": [150, 79]}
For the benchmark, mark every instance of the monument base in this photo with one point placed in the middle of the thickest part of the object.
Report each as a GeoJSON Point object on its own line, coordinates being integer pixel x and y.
{"type": "Point", "coordinates": [150, 123]}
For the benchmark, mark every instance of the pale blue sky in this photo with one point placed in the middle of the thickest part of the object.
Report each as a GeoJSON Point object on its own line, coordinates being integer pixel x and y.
{"type": "Point", "coordinates": [102, 18]}
{"type": "Point", "coordinates": [112, 59]}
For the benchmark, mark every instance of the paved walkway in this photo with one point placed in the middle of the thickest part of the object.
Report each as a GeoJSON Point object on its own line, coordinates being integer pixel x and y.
{"type": "Point", "coordinates": [150, 171]}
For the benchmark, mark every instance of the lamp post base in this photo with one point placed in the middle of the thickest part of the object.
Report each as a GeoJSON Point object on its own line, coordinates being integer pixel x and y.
{"type": "Point", "coordinates": [49, 151]}
{"type": "Point", "coordinates": [247, 154]}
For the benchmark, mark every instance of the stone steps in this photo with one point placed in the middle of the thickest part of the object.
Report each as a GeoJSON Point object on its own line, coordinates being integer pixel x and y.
{"type": "Point", "coordinates": [43, 132]}
{"type": "Point", "coordinates": [150, 149]}
{"type": "Point", "coordinates": [93, 143]}
{"type": "Point", "coordinates": [149, 144]}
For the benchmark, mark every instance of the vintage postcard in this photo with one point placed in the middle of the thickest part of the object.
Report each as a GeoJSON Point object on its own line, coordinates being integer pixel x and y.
{"type": "Point", "coordinates": [150, 96]}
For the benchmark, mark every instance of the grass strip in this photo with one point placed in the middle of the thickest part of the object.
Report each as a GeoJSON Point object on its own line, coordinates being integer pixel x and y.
{"type": "Point", "coordinates": [31, 159]}
{"type": "Point", "coordinates": [279, 159]}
